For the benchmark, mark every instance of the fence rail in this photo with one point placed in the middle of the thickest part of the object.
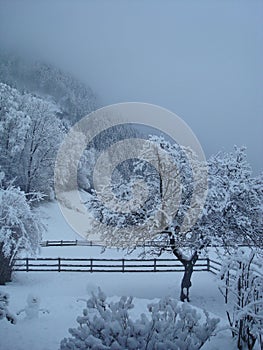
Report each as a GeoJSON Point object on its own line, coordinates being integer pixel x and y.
{"type": "Point", "coordinates": [152, 243]}
{"type": "Point", "coordinates": [69, 243]}
{"type": "Point", "coordinates": [110, 265]}
{"type": "Point", "coordinates": [214, 266]}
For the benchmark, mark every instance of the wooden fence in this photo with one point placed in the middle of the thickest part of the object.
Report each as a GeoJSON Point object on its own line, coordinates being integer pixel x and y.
{"type": "Point", "coordinates": [214, 266]}
{"type": "Point", "coordinates": [110, 265]}
{"type": "Point", "coordinates": [151, 243]}
{"type": "Point", "coordinates": [69, 243]}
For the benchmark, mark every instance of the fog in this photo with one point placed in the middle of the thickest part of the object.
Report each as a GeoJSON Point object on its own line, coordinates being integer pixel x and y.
{"type": "Point", "coordinates": [200, 59]}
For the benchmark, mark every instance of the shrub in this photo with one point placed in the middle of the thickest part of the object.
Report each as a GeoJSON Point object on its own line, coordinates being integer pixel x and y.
{"type": "Point", "coordinates": [4, 312]}
{"type": "Point", "coordinates": [170, 325]}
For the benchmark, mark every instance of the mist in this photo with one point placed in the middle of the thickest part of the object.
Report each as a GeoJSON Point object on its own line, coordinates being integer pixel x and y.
{"type": "Point", "coordinates": [202, 60]}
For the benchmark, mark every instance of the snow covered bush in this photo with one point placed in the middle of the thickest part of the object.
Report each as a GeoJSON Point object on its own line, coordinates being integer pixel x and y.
{"type": "Point", "coordinates": [20, 229]}
{"type": "Point", "coordinates": [168, 325]}
{"type": "Point", "coordinates": [242, 288]}
{"type": "Point", "coordinates": [4, 312]}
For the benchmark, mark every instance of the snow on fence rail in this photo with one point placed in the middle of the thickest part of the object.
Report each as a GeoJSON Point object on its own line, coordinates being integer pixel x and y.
{"type": "Point", "coordinates": [66, 243]}
{"type": "Point", "coordinates": [52, 243]}
{"type": "Point", "coordinates": [110, 265]}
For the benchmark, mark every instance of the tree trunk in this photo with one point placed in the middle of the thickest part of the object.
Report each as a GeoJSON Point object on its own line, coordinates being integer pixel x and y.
{"type": "Point", "coordinates": [5, 269]}
{"type": "Point", "coordinates": [186, 281]}
{"type": "Point", "coordinates": [188, 269]}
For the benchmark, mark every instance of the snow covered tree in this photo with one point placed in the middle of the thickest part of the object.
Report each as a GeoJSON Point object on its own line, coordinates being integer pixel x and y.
{"type": "Point", "coordinates": [167, 325]}
{"type": "Point", "coordinates": [242, 288]}
{"type": "Point", "coordinates": [231, 213]}
{"type": "Point", "coordinates": [68, 162]}
{"type": "Point", "coordinates": [167, 181]}
{"type": "Point", "coordinates": [14, 124]}
{"type": "Point", "coordinates": [86, 164]}
{"type": "Point", "coordinates": [102, 142]}
{"type": "Point", "coordinates": [42, 139]}
{"type": "Point", "coordinates": [73, 98]}
{"type": "Point", "coordinates": [4, 312]}
{"type": "Point", "coordinates": [30, 134]}
{"type": "Point", "coordinates": [20, 229]}
{"type": "Point", "coordinates": [165, 172]}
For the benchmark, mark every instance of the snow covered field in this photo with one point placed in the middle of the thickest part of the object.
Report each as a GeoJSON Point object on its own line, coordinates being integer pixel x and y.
{"type": "Point", "coordinates": [59, 292]}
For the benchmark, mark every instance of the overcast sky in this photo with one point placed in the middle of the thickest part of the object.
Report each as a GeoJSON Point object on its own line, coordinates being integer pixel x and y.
{"type": "Point", "coordinates": [200, 59]}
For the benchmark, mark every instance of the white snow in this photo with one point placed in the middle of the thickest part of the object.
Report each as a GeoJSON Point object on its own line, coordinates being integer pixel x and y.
{"type": "Point", "coordinates": [59, 292]}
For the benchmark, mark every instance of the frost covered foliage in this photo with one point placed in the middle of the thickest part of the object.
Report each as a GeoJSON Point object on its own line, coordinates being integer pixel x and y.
{"type": "Point", "coordinates": [30, 134]}
{"type": "Point", "coordinates": [41, 144]}
{"type": "Point", "coordinates": [102, 143]}
{"type": "Point", "coordinates": [231, 210]}
{"type": "Point", "coordinates": [4, 312]}
{"type": "Point", "coordinates": [242, 288]}
{"type": "Point", "coordinates": [74, 99]}
{"type": "Point", "coordinates": [234, 211]}
{"type": "Point", "coordinates": [168, 325]}
{"type": "Point", "coordinates": [20, 229]}
{"type": "Point", "coordinates": [156, 194]}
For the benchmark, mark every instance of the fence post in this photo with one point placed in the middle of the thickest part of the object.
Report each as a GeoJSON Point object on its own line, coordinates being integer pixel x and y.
{"type": "Point", "coordinates": [27, 267]}
{"type": "Point", "coordinates": [208, 264]}
{"type": "Point", "coordinates": [154, 265]}
{"type": "Point", "coordinates": [59, 265]}
{"type": "Point", "coordinates": [91, 263]}
{"type": "Point", "coordinates": [122, 265]}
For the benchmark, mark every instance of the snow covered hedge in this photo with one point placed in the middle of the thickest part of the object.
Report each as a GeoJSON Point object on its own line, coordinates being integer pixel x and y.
{"type": "Point", "coordinates": [168, 325]}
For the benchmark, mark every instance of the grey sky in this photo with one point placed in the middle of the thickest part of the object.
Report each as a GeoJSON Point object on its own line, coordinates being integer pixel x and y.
{"type": "Point", "coordinates": [200, 59]}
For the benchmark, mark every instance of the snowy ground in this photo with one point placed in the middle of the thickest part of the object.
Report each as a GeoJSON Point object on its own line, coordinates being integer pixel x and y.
{"type": "Point", "coordinates": [59, 293]}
